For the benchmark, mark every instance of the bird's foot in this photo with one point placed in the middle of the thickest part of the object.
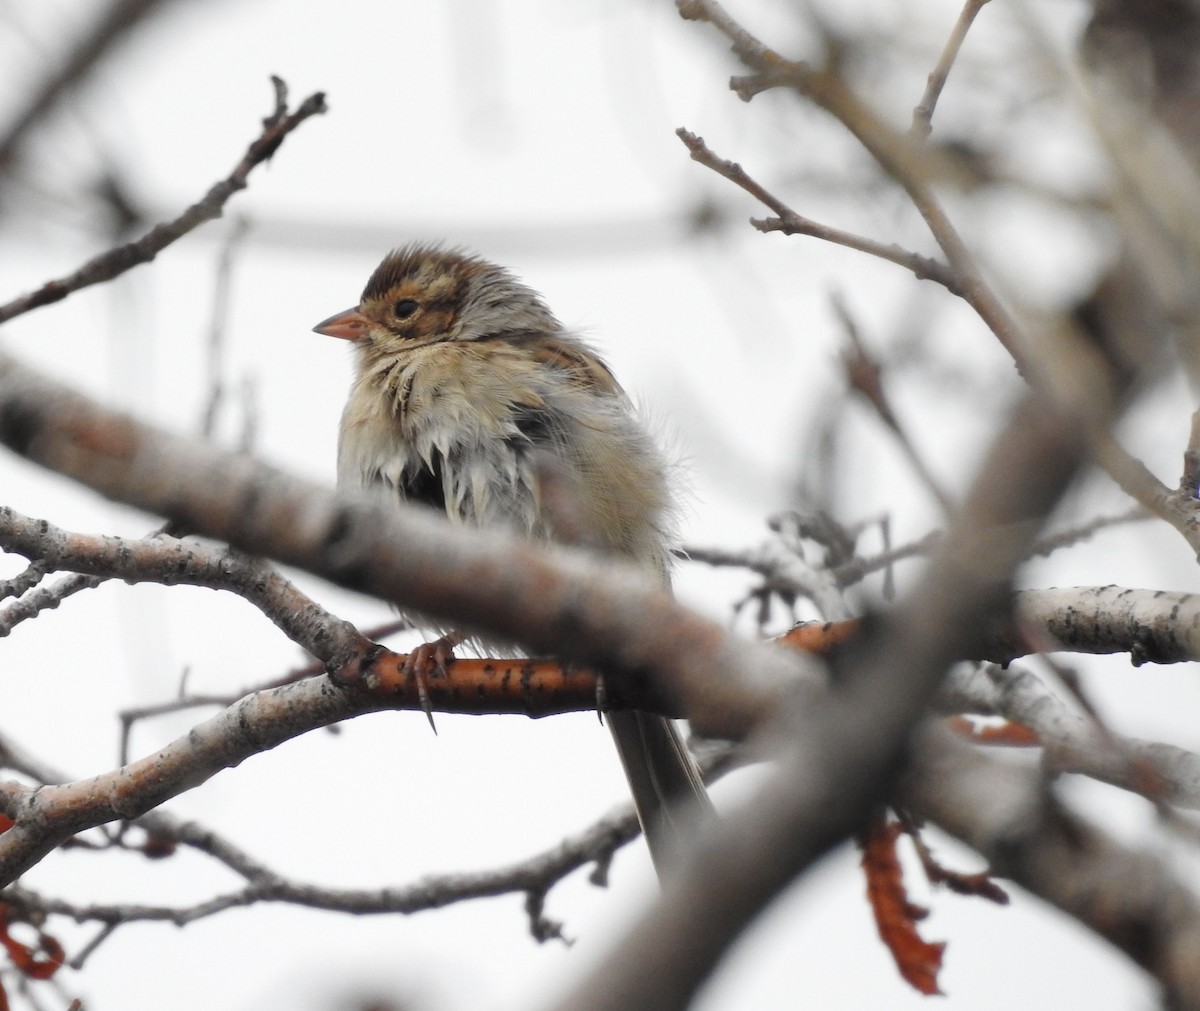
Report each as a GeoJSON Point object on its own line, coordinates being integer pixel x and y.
{"type": "Point", "coordinates": [426, 660]}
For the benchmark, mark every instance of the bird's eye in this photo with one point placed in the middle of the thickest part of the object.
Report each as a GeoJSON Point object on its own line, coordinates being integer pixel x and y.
{"type": "Point", "coordinates": [405, 308]}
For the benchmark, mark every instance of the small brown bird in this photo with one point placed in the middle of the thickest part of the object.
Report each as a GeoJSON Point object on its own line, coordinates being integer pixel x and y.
{"type": "Point", "coordinates": [471, 398]}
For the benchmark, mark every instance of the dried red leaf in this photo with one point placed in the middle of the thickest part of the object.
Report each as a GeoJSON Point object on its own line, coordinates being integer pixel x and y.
{"type": "Point", "coordinates": [918, 960]}
{"type": "Point", "coordinates": [6, 823]}
{"type": "Point", "coordinates": [1007, 734]}
{"type": "Point", "coordinates": [41, 962]}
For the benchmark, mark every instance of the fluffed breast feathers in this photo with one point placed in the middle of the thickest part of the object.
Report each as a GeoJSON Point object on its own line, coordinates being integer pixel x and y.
{"type": "Point", "coordinates": [535, 436]}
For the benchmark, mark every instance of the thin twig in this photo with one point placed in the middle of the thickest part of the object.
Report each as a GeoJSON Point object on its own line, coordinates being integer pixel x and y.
{"type": "Point", "coordinates": [865, 377]}
{"type": "Point", "coordinates": [183, 701]}
{"type": "Point", "coordinates": [1189, 480]}
{"type": "Point", "coordinates": [538, 874]}
{"type": "Point", "coordinates": [1179, 508]}
{"type": "Point", "coordinates": [116, 261]}
{"type": "Point", "coordinates": [856, 570]}
{"type": "Point", "coordinates": [103, 934]}
{"type": "Point", "coordinates": [922, 119]}
{"type": "Point", "coordinates": [1047, 545]}
{"type": "Point", "coordinates": [117, 19]}
{"type": "Point", "coordinates": [1061, 365]}
{"type": "Point", "coordinates": [23, 581]}
{"type": "Point", "coordinates": [789, 222]}
{"type": "Point", "coordinates": [218, 325]}
{"type": "Point", "coordinates": [902, 159]}
{"type": "Point", "coordinates": [768, 563]}
{"type": "Point", "coordinates": [45, 598]}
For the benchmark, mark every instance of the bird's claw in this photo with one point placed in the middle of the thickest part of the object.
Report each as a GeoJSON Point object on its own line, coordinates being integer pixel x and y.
{"type": "Point", "coordinates": [429, 658]}
{"type": "Point", "coordinates": [601, 698]}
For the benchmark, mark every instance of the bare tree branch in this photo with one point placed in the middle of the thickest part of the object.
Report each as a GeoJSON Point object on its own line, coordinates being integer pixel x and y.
{"type": "Point", "coordinates": [834, 751]}
{"type": "Point", "coordinates": [47, 816]}
{"type": "Point", "coordinates": [1179, 508]}
{"type": "Point", "coordinates": [1152, 626]}
{"type": "Point", "coordinates": [1005, 812]}
{"type": "Point", "coordinates": [905, 161]}
{"type": "Point", "coordinates": [558, 602]}
{"type": "Point", "coordinates": [116, 261]}
{"type": "Point", "coordinates": [1061, 364]}
{"type": "Point", "coordinates": [44, 598]}
{"type": "Point", "coordinates": [117, 20]}
{"type": "Point", "coordinates": [1073, 740]}
{"type": "Point", "coordinates": [533, 875]}
{"type": "Point", "coordinates": [167, 560]}
{"type": "Point", "coordinates": [922, 120]}
{"type": "Point", "coordinates": [865, 377]}
{"type": "Point", "coordinates": [789, 222]}
{"type": "Point", "coordinates": [23, 581]}
{"type": "Point", "coordinates": [1071, 536]}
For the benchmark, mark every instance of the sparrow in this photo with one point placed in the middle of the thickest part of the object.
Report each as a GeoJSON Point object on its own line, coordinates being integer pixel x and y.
{"type": "Point", "coordinates": [471, 398]}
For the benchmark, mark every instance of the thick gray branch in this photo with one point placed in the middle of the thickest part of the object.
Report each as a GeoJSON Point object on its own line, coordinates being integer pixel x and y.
{"type": "Point", "coordinates": [557, 602]}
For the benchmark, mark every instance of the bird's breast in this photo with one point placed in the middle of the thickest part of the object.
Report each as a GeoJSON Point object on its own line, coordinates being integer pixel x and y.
{"type": "Point", "coordinates": [440, 428]}
{"type": "Point", "coordinates": [494, 437]}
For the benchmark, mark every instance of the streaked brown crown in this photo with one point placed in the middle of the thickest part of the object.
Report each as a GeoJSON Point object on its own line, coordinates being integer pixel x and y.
{"type": "Point", "coordinates": [423, 291]}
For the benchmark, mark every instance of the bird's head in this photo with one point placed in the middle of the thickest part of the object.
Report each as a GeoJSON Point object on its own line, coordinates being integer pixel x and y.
{"type": "Point", "coordinates": [423, 294]}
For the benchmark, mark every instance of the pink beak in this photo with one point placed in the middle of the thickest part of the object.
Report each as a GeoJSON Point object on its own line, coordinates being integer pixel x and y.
{"type": "Point", "coordinates": [350, 325]}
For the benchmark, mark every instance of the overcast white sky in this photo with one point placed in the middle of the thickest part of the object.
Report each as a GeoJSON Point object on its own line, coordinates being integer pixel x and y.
{"type": "Point", "coordinates": [541, 135]}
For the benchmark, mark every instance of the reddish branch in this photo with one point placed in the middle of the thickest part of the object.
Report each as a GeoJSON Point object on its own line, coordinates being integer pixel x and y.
{"type": "Point", "coordinates": [1006, 734]}
{"type": "Point", "coordinates": [530, 686]}
{"type": "Point", "coordinates": [819, 637]}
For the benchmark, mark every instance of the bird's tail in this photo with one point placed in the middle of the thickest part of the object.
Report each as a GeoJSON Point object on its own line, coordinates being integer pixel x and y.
{"type": "Point", "coordinates": [668, 793]}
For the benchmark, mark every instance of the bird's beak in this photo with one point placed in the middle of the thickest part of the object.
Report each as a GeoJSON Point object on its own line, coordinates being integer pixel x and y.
{"type": "Point", "coordinates": [350, 325]}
